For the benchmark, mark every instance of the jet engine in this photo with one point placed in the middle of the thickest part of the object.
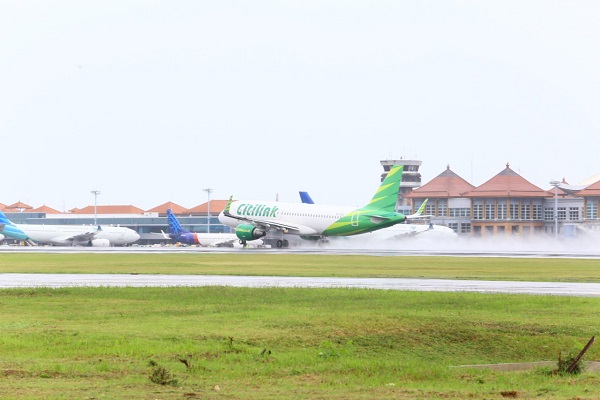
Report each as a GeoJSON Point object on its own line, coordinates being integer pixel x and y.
{"type": "Point", "coordinates": [249, 232]}
{"type": "Point", "coordinates": [99, 243]}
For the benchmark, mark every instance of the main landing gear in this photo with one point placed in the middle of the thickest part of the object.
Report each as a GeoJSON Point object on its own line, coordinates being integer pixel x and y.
{"type": "Point", "coordinates": [282, 243]}
{"type": "Point", "coordinates": [278, 243]}
{"type": "Point", "coordinates": [273, 242]}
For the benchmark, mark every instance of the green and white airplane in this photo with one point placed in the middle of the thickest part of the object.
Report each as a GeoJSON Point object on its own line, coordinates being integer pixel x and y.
{"type": "Point", "coordinates": [255, 219]}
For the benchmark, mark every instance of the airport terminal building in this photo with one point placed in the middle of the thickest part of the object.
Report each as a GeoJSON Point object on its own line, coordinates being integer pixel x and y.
{"type": "Point", "coordinates": [506, 204]}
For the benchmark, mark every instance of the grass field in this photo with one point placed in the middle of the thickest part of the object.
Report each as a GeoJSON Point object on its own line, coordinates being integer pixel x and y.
{"type": "Point", "coordinates": [523, 269]}
{"type": "Point", "coordinates": [245, 343]}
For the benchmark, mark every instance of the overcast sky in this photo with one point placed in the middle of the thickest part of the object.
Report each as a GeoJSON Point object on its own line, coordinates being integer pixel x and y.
{"type": "Point", "coordinates": [153, 101]}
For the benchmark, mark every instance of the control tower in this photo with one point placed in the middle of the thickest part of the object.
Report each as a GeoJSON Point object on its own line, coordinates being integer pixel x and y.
{"type": "Point", "coordinates": [411, 179]}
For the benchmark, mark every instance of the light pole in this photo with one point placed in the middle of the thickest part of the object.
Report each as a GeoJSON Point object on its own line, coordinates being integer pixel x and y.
{"type": "Point", "coordinates": [95, 193]}
{"type": "Point", "coordinates": [208, 192]}
{"type": "Point", "coordinates": [555, 184]}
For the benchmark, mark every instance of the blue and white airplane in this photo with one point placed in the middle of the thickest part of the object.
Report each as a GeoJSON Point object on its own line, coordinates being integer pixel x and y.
{"type": "Point", "coordinates": [68, 235]}
{"type": "Point", "coordinates": [178, 234]}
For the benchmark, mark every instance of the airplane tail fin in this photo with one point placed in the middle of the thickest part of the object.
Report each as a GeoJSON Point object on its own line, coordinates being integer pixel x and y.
{"type": "Point", "coordinates": [419, 213]}
{"type": "Point", "coordinates": [386, 196]}
{"type": "Point", "coordinates": [174, 225]}
{"type": "Point", "coordinates": [4, 220]}
{"type": "Point", "coordinates": [228, 206]}
{"type": "Point", "coordinates": [422, 208]}
{"type": "Point", "coordinates": [9, 229]}
{"type": "Point", "coordinates": [305, 198]}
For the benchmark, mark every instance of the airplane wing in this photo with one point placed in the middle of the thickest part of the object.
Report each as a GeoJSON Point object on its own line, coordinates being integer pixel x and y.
{"type": "Point", "coordinates": [273, 224]}
{"type": "Point", "coordinates": [413, 230]}
{"type": "Point", "coordinates": [226, 241]}
{"type": "Point", "coordinates": [84, 236]}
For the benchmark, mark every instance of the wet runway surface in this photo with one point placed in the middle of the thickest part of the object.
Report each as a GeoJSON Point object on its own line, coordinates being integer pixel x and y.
{"type": "Point", "coordinates": [562, 251]}
{"type": "Point", "coordinates": [440, 285]}
{"type": "Point", "coordinates": [12, 280]}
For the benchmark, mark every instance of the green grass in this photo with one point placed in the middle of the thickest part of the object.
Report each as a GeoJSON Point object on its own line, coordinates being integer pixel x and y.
{"type": "Point", "coordinates": [249, 343]}
{"type": "Point", "coordinates": [287, 343]}
{"type": "Point", "coordinates": [547, 269]}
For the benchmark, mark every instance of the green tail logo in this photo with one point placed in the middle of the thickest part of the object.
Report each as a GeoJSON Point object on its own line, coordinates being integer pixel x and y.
{"type": "Point", "coordinates": [387, 195]}
{"type": "Point", "coordinates": [379, 213]}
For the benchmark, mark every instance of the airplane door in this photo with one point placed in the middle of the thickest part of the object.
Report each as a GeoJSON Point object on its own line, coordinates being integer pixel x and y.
{"type": "Point", "coordinates": [354, 218]}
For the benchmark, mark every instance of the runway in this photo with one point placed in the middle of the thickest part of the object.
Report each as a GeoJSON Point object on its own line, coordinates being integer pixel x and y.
{"type": "Point", "coordinates": [428, 285]}
{"type": "Point", "coordinates": [414, 248]}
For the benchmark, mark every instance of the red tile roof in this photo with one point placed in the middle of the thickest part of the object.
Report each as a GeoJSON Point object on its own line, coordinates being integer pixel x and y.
{"type": "Point", "coordinates": [592, 190]}
{"type": "Point", "coordinates": [45, 209]}
{"type": "Point", "coordinates": [176, 208]}
{"type": "Point", "coordinates": [18, 206]}
{"type": "Point", "coordinates": [508, 184]}
{"type": "Point", "coordinates": [446, 184]}
{"type": "Point", "coordinates": [216, 206]}
{"type": "Point", "coordinates": [126, 209]}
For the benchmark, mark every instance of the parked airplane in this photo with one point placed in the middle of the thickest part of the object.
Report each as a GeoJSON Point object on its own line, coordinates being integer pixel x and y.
{"type": "Point", "coordinates": [403, 230]}
{"type": "Point", "coordinates": [177, 233]}
{"type": "Point", "coordinates": [68, 235]}
{"type": "Point", "coordinates": [254, 219]}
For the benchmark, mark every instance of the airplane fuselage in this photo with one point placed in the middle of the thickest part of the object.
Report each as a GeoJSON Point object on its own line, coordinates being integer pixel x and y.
{"type": "Point", "coordinates": [309, 219]}
{"type": "Point", "coordinates": [64, 234]}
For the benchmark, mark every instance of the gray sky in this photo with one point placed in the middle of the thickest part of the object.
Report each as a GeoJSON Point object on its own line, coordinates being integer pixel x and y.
{"type": "Point", "coordinates": [152, 101]}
